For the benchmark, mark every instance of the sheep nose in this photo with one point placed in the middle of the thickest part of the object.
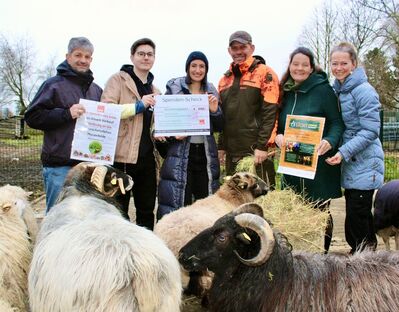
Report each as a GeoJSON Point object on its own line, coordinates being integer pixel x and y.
{"type": "Point", "coordinates": [188, 262]}
{"type": "Point", "coordinates": [182, 258]}
{"type": "Point", "coordinates": [265, 190]}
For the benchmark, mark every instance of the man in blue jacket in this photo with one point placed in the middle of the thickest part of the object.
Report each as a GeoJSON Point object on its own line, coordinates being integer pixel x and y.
{"type": "Point", "coordinates": [55, 109]}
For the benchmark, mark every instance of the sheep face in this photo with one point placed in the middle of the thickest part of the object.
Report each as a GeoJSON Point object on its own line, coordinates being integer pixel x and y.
{"type": "Point", "coordinates": [248, 182]}
{"type": "Point", "coordinates": [107, 180]}
{"type": "Point", "coordinates": [13, 199]}
{"type": "Point", "coordinates": [233, 239]}
{"type": "Point", "coordinates": [218, 242]}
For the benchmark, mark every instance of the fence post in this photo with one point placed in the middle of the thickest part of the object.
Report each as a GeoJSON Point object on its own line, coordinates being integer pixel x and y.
{"type": "Point", "coordinates": [19, 127]}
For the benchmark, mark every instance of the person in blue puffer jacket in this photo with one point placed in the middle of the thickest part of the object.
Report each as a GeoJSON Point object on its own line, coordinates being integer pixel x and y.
{"type": "Point", "coordinates": [191, 167]}
{"type": "Point", "coordinates": [361, 153]}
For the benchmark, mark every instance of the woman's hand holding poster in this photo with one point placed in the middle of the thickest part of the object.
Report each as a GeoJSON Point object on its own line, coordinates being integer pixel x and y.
{"type": "Point", "coordinates": [302, 137]}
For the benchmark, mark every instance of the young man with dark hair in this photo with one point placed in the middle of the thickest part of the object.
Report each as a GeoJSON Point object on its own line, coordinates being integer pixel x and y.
{"type": "Point", "coordinates": [135, 153]}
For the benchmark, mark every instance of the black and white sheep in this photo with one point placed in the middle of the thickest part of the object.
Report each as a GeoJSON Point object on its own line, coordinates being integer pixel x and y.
{"type": "Point", "coordinates": [255, 270]}
{"type": "Point", "coordinates": [178, 227]}
{"type": "Point", "coordinates": [18, 230]}
{"type": "Point", "coordinates": [89, 258]}
{"type": "Point", "coordinates": [386, 213]}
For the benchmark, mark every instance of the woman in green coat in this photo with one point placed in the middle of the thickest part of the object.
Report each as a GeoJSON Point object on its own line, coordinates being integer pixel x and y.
{"type": "Point", "coordinates": [305, 91]}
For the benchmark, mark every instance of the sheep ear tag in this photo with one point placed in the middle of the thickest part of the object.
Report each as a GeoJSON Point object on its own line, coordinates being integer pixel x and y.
{"type": "Point", "coordinates": [243, 185]}
{"type": "Point", "coordinates": [244, 237]}
{"type": "Point", "coordinates": [227, 178]}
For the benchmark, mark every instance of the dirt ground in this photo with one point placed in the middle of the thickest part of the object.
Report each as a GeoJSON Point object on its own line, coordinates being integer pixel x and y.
{"type": "Point", "coordinates": [192, 304]}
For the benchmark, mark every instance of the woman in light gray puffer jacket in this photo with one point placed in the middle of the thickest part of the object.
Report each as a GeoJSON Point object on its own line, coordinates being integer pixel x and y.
{"type": "Point", "coordinates": [361, 153]}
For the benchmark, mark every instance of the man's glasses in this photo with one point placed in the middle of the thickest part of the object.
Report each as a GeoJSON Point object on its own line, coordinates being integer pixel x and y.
{"type": "Point", "coordinates": [143, 54]}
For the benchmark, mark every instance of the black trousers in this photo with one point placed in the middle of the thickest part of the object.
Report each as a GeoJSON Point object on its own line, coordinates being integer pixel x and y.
{"type": "Point", "coordinates": [324, 206]}
{"type": "Point", "coordinates": [144, 190]}
{"type": "Point", "coordinates": [265, 170]}
{"type": "Point", "coordinates": [359, 225]}
{"type": "Point", "coordinates": [197, 175]}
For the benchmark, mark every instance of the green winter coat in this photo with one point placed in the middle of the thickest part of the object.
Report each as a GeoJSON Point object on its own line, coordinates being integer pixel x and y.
{"type": "Point", "coordinates": [315, 97]}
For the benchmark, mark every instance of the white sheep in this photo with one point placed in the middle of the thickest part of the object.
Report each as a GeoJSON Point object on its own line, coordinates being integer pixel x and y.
{"type": "Point", "coordinates": [89, 258]}
{"type": "Point", "coordinates": [5, 307]}
{"type": "Point", "coordinates": [180, 226]}
{"type": "Point", "coordinates": [18, 230]}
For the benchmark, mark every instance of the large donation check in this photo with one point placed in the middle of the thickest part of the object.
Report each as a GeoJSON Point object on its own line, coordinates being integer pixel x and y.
{"type": "Point", "coordinates": [181, 115]}
{"type": "Point", "coordinates": [302, 137]}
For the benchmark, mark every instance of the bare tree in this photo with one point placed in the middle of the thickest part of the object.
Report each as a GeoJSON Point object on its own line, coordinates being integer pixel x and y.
{"type": "Point", "coordinates": [360, 26]}
{"type": "Point", "coordinates": [48, 70]}
{"type": "Point", "coordinates": [4, 96]}
{"type": "Point", "coordinates": [319, 34]}
{"type": "Point", "coordinates": [389, 10]}
{"type": "Point", "coordinates": [340, 21]}
{"type": "Point", "coordinates": [16, 70]}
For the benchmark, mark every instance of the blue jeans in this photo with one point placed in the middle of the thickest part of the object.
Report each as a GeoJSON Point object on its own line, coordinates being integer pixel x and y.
{"type": "Point", "coordinates": [54, 178]}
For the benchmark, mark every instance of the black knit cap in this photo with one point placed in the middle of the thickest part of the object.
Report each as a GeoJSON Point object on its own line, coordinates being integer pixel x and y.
{"type": "Point", "coordinates": [197, 55]}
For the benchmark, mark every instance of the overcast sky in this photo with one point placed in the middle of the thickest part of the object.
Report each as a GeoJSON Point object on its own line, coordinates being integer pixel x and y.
{"type": "Point", "coordinates": [176, 26]}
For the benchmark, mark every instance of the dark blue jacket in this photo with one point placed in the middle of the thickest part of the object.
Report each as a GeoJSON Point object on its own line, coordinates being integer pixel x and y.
{"type": "Point", "coordinates": [49, 111]}
{"type": "Point", "coordinates": [172, 185]}
{"type": "Point", "coordinates": [386, 206]}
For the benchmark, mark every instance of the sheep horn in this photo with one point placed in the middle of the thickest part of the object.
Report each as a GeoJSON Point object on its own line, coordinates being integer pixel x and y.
{"type": "Point", "coordinates": [265, 232]}
{"type": "Point", "coordinates": [121, 187]}
{"type": "Point", "coordinates": [98, 176]}
{"type": "Point", "coordinates": [248, 208]}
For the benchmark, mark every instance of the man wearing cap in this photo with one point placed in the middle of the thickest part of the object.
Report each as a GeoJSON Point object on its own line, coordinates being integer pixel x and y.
{"type": "Point", "coordinates": [249, 92]}
{"type": "Point", "coordinates": [55, 109]}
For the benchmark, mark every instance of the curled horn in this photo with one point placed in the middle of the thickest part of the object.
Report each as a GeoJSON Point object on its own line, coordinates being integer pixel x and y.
{"type": "Point", "coordinates": [98, 176]}
{"type": "Point", "coordinates": [265, 233]}
{"type": "Point", "coordinates": [248, 208]}
{"type": "Point", "coordinates": [121, 187]}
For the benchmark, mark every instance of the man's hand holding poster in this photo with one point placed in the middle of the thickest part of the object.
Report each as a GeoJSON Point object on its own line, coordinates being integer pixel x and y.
{"type": "Point", "coordinates": [96, 132]}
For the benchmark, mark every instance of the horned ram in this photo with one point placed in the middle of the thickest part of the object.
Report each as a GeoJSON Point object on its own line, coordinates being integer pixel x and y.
{"type": "Point", "coordinates": [256, 270]}
{"type": "Point", "coordinates": [89, 258]}
{"type": "Point", "coordinates": [178, 227]}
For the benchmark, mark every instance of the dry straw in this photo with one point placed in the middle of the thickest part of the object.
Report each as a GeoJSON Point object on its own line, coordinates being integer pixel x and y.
{"type": "Point", "coordinates": [293, 216]}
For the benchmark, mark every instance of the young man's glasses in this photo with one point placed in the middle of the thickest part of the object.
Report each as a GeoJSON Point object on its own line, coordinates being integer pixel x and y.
{"type": "Point", "coordinates": [143, 54]}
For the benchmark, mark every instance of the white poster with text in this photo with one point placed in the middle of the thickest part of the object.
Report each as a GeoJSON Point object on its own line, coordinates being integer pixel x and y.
{"type": "Point", "coordinates": [181, 115]}
{"type": "Point", "coordinates": [96, 132]}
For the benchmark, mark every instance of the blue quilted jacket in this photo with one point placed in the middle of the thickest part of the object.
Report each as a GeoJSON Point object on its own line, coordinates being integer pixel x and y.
{"type": "Point", "coordinates": [363, 157]}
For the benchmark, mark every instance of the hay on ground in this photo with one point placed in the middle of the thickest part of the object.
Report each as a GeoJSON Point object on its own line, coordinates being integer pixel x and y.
{"type": "Point", "coordinates": [291, 214]}
{"type": "Point", "coordinates": [302, 224]}
{"type": "Point", "coordinates": [246, 164]}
